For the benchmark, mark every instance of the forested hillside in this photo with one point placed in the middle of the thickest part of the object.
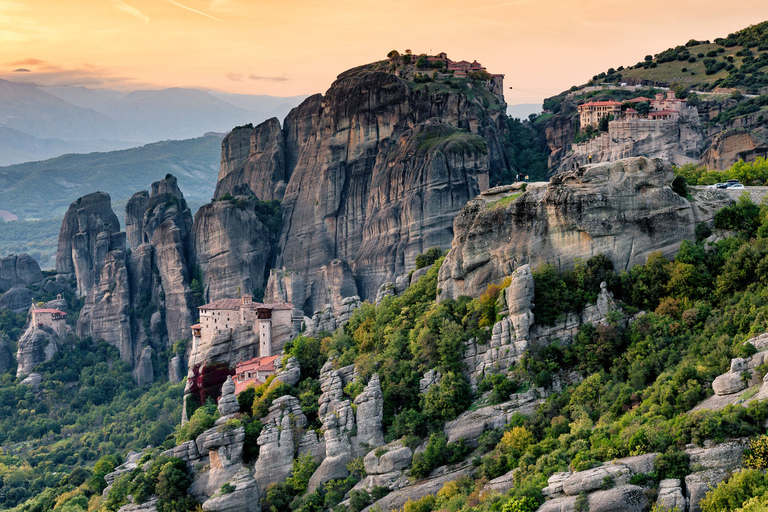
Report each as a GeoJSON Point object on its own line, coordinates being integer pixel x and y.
{"type": "Point", "coordinates": [643, 371]}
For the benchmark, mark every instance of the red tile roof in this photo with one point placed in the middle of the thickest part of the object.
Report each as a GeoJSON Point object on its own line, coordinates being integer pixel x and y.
{"type": "Point", "coordinates": [196, 326]}
{"type": "Point", "coordinates": [262, 364]}
{"type": "Point", "coordinates": [230, 304]}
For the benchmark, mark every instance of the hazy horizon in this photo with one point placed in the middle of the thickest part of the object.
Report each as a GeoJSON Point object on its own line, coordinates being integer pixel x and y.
{"type": "Point", "coordinates": [300, 47]}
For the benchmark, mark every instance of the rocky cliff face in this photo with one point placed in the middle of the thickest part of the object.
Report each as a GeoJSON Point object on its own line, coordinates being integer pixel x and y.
{"type": "Point", "coordinates": [85, 238]}
{"type": "Point", "coordinates": [376, 170]}
{"type": "Point", "coordinates": [141, 300]}
{"type": "Point", "coordinates": [232, 248]}
{"type": "Point", "coordinates": [263, 170]}
{"type": "Point", "coordinates": [624, 209]}
{"type": "Point", "coordinates": [106, 314]}
{"type": "Point", "coordinates": [163, 220]}
{"type": "Point", "coordinates": [730, 146]}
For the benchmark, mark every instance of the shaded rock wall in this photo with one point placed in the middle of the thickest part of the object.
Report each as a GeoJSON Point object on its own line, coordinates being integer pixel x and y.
{"type": "Point", "coordinates": [232, 248]}
{"type": "Point", "coordinates": [263, 170]}
{"type": "Point", "coordinates": [86, 237]}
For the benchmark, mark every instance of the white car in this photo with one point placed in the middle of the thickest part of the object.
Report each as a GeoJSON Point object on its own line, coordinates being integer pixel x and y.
{"type": "Point", "coordinates": [736, 186]}
{"type": "Point", "coordinates": [717, 185]}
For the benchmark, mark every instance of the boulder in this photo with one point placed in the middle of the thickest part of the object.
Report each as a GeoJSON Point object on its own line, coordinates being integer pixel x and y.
{"type": "Point", "coordinates": [243, 495]}
{"type": "Point", "coordinates": [228, 403]}
{"type": "Point", "coordinates": [564, 504]}
{"type": "Point", "coordinates": [470, 425]}
{"type": "Point", "coordinates": [20, 269]}
{"type": "Point", "coordinates": [148, 506]}
{"type": "Point", "coordinates": [33, 380]}
{"type": "Point", "coordinates": [289, 372]}
{"type": "Point", "coordinates": [391, 457]}
{"type": "Point", "coordinates": [503, 483]}
{"type": "Point", "coordinates": [697, 485]}
{"type": "Point", "coordinates": [431, 378]}
{"type": "Point", "coordinates": [17, 299]}
{"type": "Point", "coordinates": [224, 445]}
{"type": "Point", "coordinates": [430, 486]}
{"type": "Point", "coordinates": [627, 498]}
{"type": "Point", "coordinates": [594, 479]}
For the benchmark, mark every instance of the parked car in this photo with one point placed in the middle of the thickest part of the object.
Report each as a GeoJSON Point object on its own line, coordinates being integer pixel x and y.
{"type": "Point", "coordinates": [716, 185]}
{"type": "Point", "coordinates": [735, 186]}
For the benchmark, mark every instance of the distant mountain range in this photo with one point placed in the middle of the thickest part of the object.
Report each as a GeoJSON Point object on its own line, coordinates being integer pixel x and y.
{"type": "Point", "coordinates": [41, 122]}
{"type": "Point", "coordinates": [42, 190]}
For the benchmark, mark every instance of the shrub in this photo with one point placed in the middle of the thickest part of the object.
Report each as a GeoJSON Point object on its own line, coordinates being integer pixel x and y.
{"type": "Point", "coordinates": [429, 257]}
{"type": "Point", "coordinates": [732, 493]}
{"type": "Point", "coordinates": [757, 454]}
{"type": "Point", "coordinates": [680, 186]}
{"type": "Point", "coordinates": [524, 504]}
{"type": "Point", "coordinates": [672, 464]}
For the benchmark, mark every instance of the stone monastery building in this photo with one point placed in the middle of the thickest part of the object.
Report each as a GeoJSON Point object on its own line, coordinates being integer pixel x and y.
{"type": "Point", "coordinates": [224, 315]}
{"type": "Point", "coordinates": [664, 106]}
{"type": "Point", "coordinates": [52, 318]}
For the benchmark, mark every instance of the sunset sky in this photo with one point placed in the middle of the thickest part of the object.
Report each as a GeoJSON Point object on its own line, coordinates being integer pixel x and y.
{"type": "Point", "coordinates": [296, 47]}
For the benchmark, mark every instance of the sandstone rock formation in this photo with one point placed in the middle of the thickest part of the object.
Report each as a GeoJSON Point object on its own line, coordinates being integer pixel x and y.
{"type": "Point", "coordinates": [374, 172]}
{"type": "Point", "coordinates": [17, 299]}
{"type": "Point", "coordinates": [624, 209]}
{"type": "Point", "coordinates": [670, 495]}
{"type": "Point", "coordinates": [277, 442]}
{"type": "Point", "coordinates": [17, 270]}
{"type": "Point", "coordinates": [243, 498]}
{"type": "Point", "coordinates": [90, 230]}
{"type": "Point", "coordinates": [232, 248]}
{"type": "Point", "coordinates": [36, 345]}
{"type": "Point", "coordinates": [263, 169]}
{"type": "Point", "coordinates": [144, 373]}
{"type": "Point", "coordinates": [106, 314]}
{"type": "Point", "coordinates": [325, 320]}
{"type": "Point", "coordinates": [732, 145]}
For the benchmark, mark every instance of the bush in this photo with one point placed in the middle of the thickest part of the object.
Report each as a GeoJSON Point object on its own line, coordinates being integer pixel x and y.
{"type": "Point", "coordinates": [732, 493]}
{"type": "Point", "coordinates": [672, 464]}
{"type": "Point", "coordinates": [757, 454]}
{"type": "Point", "coordinates": [429, 257]}
{"type": "Point", "coordinates": [680, 186]}
{"type": "Point", "coordinates": [437, 453]}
